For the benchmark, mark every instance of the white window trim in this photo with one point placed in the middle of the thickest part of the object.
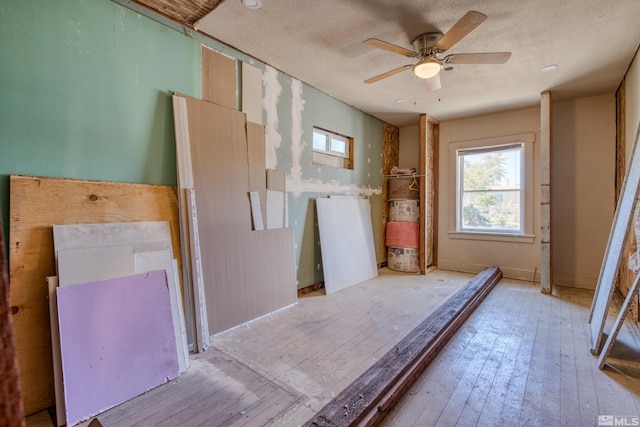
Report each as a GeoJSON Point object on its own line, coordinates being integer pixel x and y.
{"type": "Point", "coordinates": [527, 235]}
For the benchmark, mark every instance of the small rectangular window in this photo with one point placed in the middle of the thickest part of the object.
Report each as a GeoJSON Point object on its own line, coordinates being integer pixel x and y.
{"type": "Point", "coordinates": [332, 149]}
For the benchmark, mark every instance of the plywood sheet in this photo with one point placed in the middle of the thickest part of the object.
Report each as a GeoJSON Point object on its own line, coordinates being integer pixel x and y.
{"type": "Point", "coordinates": [192, 273]}
{"type": "Point", "coordinates": [36, 204]}
{"type": "Point", "coordinates": [84, 265]}
{"type": "Point", "coordinates": [127, 348]}
{"type": "Point", "coordinates": [346, 237]}
{"type": "Point", "coordinates": [106, 251]}
{"type": "Point", "coordinates": [11, 411]}
{"type": "Point", "coordinates": [275, 209]}
{"type": "Point", "coordinates": [142, 236]}
{"type": "Point", "coordinates": [252, 93]}
{"type": "Point", "coordinates": [246, 273]}
{"type": "Point", "coordinates": [218, 78]}
{"type": "Point", "coordinates": [276, 180]}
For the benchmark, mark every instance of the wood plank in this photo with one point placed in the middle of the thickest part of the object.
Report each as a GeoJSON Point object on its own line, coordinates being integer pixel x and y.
{"type": "Point", "coordinates": [36, 204]}
{"type": "Point", "coordinates": [370, 398]}
{"type": "Point", "coordinates": [546, 257]}
{"type": "Point", "coordinates": [11, 409]}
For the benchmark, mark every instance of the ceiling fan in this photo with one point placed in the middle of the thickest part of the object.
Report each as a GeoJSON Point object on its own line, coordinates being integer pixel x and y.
{"type": "Point", "coordinates": [427, 46]}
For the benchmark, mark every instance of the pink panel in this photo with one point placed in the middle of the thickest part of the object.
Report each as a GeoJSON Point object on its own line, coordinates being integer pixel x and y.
{"type": "Point", "coordinates": [117, 341]}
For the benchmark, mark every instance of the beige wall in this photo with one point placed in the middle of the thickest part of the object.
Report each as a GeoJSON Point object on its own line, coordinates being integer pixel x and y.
{"type": "Point", "coordinates": [409, 147]}
{"type": "Point", "coordinates": [583, 162]}
{"type": "Point", "coordinates": [516, 259]}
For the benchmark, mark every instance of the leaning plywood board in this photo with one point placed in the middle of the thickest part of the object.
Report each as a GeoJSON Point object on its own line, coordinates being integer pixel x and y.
{"type": "Point", "coordinates": [11, 411]}
{"type": "Point", "coordinates": [82, 265]}
{"type": "Point", "coordinates": [275, 209]}
{"type": "Point", "coordinates": [615, 246]}
{"type": "Point", "coordinates": [346, 238]}
{"type": "Point", "coordinates": [218, 78]}
{"type": "Point", "coordinates": [36, 204]}
{"type": "Point", "coordinates": [252, 93]}
{"type": "Point", "coordinates": [247, 273]}
{"type": "Point", "coordinates": [162, 260]}
{"type": "Point", "coordinates": [125, 248]}
{"type": "Point", "coordinates": [116, 341]}
{"type": "Point", "coordinates": [192, 273]}
{"type": "Point", "coordinates": [257, 166]}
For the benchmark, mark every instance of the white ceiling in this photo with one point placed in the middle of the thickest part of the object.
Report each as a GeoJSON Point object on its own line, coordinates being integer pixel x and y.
{"type": "Point", "coordinates": [320, 43]}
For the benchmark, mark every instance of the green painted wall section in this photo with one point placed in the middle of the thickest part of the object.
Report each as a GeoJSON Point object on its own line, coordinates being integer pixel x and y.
{"type": "Point", "coordinates": [86, 92]}
{"type": "Point", "coordinates": [365, 179]}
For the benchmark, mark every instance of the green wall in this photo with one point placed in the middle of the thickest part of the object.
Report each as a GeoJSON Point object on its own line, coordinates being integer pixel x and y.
{"type": "Point", "coordinates": [86, 93]}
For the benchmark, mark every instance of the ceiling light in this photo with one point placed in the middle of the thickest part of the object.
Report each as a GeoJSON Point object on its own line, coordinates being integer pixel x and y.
{"type": "Point", "coordinates": [427, 68]}
{"type": "Point", "coordinates": [551, 67]}
{"type": "Point", "coordinates": [252, 4]}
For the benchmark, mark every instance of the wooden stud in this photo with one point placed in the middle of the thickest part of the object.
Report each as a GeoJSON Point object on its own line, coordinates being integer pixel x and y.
{"type": "Point", "coordinates": [546, 256]}
{"type": "Point", "coordinates": [368, 399]}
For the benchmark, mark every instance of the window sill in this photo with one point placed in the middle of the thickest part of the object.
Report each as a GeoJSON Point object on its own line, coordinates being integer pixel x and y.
{"type": "Point", "coordinates": [492, 237]}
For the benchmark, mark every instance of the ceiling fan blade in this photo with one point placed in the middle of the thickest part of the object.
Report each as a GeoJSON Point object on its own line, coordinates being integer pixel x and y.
{"type": "Point", "coordinates": [464, 26]}
{"type": "Point", "coordinates": [388, 74]}
{"type": "Point", "coordinates": [478, 58]}
{"type": "Point", "coordinates": [433, 83]}
{"type": "Point", "coordinates": [390, 47]}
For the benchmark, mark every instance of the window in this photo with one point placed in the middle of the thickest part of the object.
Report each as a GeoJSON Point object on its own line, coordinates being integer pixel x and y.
{"type": "Point", "coordinates": [332, 149]}
{"type": "Point", "coordinates": [493, 188]}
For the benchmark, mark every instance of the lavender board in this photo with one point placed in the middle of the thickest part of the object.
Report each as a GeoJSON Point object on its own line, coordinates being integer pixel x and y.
{"type": "Point", "coordinates": [117, 341]}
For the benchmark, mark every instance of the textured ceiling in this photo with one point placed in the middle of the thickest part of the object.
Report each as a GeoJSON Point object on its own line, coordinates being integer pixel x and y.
{"type": "Point", "coordinates": [320, 43]}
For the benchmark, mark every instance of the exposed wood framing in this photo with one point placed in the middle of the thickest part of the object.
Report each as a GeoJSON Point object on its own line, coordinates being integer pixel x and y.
{"type": "Point", "coordinates": [546, 264]}
{"type": "Point", "coordinates": [11, 410]}
{"type": "Point", "coordinates": [371, 396]}
{"type": "Point", "coordinates": [429, 143]}
{"type": "Point", "coordinates": [390, 158]}
{"type": "Point", "coordinates": [626, 277]}
{"type": "Point", "coordinates": [186, 12]}
{"type": "Point", "coordinates": [613, 257]}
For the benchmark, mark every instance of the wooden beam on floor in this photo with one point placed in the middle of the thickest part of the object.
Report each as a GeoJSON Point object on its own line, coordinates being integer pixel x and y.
{"type": "Point", "coordinates": [371, 396]}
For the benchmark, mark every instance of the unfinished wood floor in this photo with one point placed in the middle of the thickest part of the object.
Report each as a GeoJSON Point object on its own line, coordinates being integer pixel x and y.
{"type": "Point", "coordinates": [522, 358]}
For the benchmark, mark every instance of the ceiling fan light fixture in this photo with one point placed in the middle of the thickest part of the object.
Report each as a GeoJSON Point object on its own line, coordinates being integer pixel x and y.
{"type": "Point", "coordinates": [427, 68]}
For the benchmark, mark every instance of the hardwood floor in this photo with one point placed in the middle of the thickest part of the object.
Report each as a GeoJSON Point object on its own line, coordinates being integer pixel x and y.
{"type": "Point", "coordinates": [522, 358]}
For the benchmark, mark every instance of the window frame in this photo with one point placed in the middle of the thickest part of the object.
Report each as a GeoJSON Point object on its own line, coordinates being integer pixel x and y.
{"type": "Point", "coordinates": [525, 234]}
{"type": "Point", "coordinates": [329, 157]}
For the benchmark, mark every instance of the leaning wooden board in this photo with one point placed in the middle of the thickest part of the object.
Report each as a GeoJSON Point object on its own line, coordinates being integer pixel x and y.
{"type": "Point", "coordinates": [36, 203]}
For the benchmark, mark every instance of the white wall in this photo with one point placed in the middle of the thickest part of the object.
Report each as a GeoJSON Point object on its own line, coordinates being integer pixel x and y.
{"type": "Point", "coordinates": [583, 173]}
{"type": "Point", "coordinates": [516, 259]}
{"type": "Point", "coordinates": [409, 156]}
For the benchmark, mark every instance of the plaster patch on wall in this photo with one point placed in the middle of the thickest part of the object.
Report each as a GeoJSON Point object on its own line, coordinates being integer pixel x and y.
{"type": "Point", "coordinates": [297, 143]}
{"type": "Point", "coordinates": [297, 187]}
{"type": "Point", "coordinates": [272, 92]}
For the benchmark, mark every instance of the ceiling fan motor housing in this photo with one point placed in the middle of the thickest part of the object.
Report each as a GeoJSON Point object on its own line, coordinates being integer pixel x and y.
{"type": "Point", "coordinates": [426, 43]}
